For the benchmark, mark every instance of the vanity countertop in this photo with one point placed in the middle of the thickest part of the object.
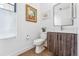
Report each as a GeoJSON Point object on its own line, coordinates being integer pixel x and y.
{"type": "Point", "coordinates": [64, 32]}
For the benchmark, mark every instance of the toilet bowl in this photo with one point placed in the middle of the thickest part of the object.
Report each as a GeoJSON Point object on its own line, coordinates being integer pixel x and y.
{"type": "Point", "coordinates": [39, 45]}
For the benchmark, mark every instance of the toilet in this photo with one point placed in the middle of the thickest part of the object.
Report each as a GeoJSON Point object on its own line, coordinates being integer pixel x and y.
{"type": "Point", "coordinates": [39, 43]}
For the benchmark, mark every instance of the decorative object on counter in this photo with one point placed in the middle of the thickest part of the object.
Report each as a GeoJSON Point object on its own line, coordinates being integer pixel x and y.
{"type": "Point", "coordinates": [43, 29]}
{"type": "Point", "coordinates": [31, 13]}
{"type": "Point", "coordinates": [45, 15]}
{"type": "Point", "coordinates": [8, 7]}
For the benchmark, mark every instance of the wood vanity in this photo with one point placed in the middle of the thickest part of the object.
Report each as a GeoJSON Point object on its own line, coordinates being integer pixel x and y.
{"type": "Point", "coordinates": [62, 44]}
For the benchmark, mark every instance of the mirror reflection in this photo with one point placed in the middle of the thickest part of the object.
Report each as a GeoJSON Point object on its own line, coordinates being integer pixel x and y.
{"type": "Point", "coordinates": [63, 14]}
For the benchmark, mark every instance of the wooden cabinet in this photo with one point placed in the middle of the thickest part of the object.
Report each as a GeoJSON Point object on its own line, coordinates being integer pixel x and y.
{"type": "Point", "coordinates": [62, 44]}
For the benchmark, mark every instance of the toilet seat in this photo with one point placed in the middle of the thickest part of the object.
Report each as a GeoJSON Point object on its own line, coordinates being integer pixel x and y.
{"type": "Point", "coordinates": [39, 40]}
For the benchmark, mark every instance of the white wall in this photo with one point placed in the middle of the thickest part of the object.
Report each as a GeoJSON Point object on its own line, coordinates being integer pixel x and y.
{"type": "Point", "coordinates": [25, 28]}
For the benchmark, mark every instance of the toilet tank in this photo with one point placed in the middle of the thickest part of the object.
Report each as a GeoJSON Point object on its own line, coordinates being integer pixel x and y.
{"type": "Point", "coordinates": [43, 35]}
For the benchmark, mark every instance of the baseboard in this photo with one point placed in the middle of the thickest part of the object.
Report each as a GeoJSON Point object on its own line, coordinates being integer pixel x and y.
{"type": "Point", "coordinates": [17, 53]}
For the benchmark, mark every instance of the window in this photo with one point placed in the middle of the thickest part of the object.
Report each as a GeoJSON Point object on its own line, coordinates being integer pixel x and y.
{"type": "Point", "coordinates": [7, 23]}
{"type": "Point", "coordinates": [8, 6]}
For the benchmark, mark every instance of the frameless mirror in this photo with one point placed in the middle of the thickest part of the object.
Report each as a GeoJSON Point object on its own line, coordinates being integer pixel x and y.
{"type": "Point", "coordinates": [8, 6]}
{"type": "Point", "coordinates": [63, 14]}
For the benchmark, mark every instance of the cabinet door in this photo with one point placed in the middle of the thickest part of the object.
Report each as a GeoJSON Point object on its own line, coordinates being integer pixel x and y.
{"type": "Point", "coordinates": [51, 37]}
{"type": "Point", "coordinates": [57, 44]}
{"type": "Point", "coordinates": [74, 45]}
{"type": "Point", "coordinates": [68, 44]}
{"type": "Point", "coordinates": [54, 42]}
{"type": "Point", "coordinates": [55, 38]}
{"type": "Point", "coordinates": [50, 43]}
{"type": "Point", "coordinates": [60, 44]}
{"type": "Point", "coordinates": [63, 44]}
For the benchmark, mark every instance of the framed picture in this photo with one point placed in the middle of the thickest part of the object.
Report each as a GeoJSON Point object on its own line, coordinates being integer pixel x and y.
{"type": "Point", "coordinates": [31, 14]}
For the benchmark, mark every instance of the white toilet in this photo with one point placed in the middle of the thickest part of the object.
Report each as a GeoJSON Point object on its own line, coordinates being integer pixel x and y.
{"type": "Point", "coordinates": [39, 43]}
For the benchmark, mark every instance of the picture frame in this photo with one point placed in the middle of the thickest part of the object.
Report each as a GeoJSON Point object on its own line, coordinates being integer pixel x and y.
{"type": "Point", "coordinates": [31, 13]}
